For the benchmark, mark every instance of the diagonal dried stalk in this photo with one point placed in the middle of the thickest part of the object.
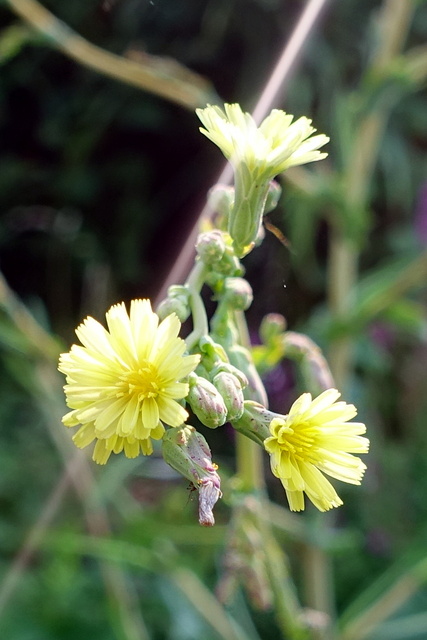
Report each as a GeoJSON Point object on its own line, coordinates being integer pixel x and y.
{"type": "Point", "coordinates": [160, 76]}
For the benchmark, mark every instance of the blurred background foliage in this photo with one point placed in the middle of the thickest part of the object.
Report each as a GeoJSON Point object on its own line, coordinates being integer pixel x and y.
{"type": "Point", "coordinates": [100, 183]}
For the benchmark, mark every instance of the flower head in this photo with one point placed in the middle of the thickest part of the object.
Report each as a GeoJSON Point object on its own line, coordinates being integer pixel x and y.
{"type": "Point", "coordinates": [257, 154]}
{"type": "Point", "coordinates": [267, 150]}
{"type": "Point", "coordinates": [316, 437]}
{"type": "Point", "coordinates": [124, 383]}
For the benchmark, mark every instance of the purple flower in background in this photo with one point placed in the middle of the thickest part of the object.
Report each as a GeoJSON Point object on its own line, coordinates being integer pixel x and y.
{"type": "Point", "coordinates": [382, 334]}
{"type": "Point", "coordinates": [280, 386]}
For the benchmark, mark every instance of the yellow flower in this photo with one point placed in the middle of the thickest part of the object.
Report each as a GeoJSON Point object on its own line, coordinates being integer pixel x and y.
{"type": "Point", "coordinates": [316, 437]}
{"type": "Point", "coordinates": [257, 154]}
{"type": "Point", "coordinates": [124, 383]}
{"type": "Point", "coordinates": [267, 150]}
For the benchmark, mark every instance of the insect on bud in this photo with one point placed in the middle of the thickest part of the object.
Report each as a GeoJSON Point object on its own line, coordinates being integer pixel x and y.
{"type": "Point", "coordinates": [186, 451]}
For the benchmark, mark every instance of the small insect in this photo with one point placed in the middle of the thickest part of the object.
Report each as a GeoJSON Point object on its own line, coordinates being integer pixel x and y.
{"type": "Point", "coordinates": [191, 488]}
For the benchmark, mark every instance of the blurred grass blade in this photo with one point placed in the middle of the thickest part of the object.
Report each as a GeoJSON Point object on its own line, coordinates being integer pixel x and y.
{"type": "Point", "coordinates": [383, 598]}
{"type": "Point", "coordinates": [405, 628]}
{"type": "Point", "coordinates": [161, 560]}
{"type": "Point", "coordinates": [12, 40]}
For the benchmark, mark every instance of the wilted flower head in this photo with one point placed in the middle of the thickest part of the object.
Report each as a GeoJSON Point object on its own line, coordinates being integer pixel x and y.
{"type": "Point", "coordinates": [258, 154]}
{"type": "Point", "coordinates": [124, 383]}
{"type": "Point", "coordinates": [316, 437]}
{"type": "Point", "coordinates": [187, 451]}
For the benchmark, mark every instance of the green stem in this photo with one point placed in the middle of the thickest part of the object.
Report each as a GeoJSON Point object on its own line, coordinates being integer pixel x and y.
{"type": "Point", "coordinates": [249, 464]}
{"type": "Point", "coordinates": [249, 455]}
{"type": "Point", "coordinates": [342, 274]}
{"type": "Point", "coordinates": [194, 284]}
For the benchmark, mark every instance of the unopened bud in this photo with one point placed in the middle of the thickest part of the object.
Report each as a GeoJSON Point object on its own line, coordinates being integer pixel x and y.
{"type": "Point", "coordinates": [186, 451]}
{"type": "Point", "coordinates": [221, 198]}
{"type": "Point", "coordinates": [272, 326]}
{"type": "Point", "coordinates": [229, 368]}
{"type": "Point", "coordinates": [212, 352]}
{"type": "Point", "coordinates": [230, 389]}
{"type": "Point", "coordinates": [177, 302]}
{"type": "Point", "coordinates": [210, 247]}
{"type": "Point", "coordinates": [229, 265]}
{"type": "Point", "coordinates": [238, 293]}
{"type": "Point", "coordinates": [206, 402]}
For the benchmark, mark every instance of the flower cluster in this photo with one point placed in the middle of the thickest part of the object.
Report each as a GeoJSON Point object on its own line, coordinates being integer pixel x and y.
{"type": "Point", "coordinates": [130, 383]}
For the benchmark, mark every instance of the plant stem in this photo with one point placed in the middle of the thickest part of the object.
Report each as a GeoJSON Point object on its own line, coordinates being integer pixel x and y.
{"type": "Point", "coordinates": [248, 454]}
{"type": "Point", "coordinates": [194, 284]}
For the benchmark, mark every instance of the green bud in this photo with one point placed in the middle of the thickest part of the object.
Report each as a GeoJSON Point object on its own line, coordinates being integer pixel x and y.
{"type": "Point", "coordinates": [206, 402]}
{"type": "Point", "coordinates": [229, 368]}
{"type": "Point", "coordinates": [229, 265]}
{"type": "Point", "coordinates": [177, 302]}
{"type": "Point", "coordinates": [221, 198]}
{"type": "Point", "coordinates": [212, 352]}
{"type": "Point", "coordinates": [210, 247]}
{"type": "Point", "coordinates": [272, 326]}
{"type": "Point", "coordinates": [186, 451]}
{"type": "Point", "coordinates": [230, 389]}
{"type": "Point", "coordinates": [238, 293]}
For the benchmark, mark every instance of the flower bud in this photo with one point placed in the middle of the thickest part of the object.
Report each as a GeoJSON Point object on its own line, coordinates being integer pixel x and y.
{"type": "Point", "coordinates": [230, 389]}
{"type": "Point", "coordinates": [238, 293]}
{"type": "Point", "coordinates": [212, 352]}
{"type": "Point", "coordinates": [177, 302]}
{"type": "Point", "coordinates": [210, 247]}
{"type": "Point", "coordinates": [229, 368]}
{"type": "Point", "coordinates": [206, 402]}
{"type": "Point", "coordinates": [186, 451]}
{"type": "Point", "coordinates": [272, 326]}
{"type": "Point", "coordinates": [221, 198]}
{"type": "Point", "coordinates": [229, 265]}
